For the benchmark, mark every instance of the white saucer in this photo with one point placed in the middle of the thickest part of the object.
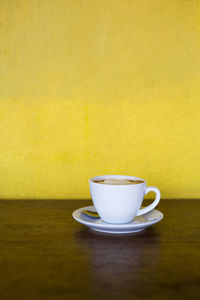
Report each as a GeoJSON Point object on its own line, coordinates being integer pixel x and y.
{"type": "Point", "coordinates": [138, 224]}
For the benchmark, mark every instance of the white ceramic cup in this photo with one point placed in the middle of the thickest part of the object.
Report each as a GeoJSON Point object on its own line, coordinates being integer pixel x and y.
{"type": "Point", "coordinates": [118, 204]}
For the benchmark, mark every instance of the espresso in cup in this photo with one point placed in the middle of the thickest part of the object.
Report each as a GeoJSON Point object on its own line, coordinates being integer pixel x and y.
{"type": "Point", "coordinates": [118, 181]}
{"type": "Point", "coordinates": [118, 198]}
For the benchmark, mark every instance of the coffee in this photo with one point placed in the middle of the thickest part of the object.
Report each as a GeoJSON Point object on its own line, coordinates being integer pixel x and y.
{"type": "Point", "coordinates": [118, 198]}
{"type": "Point", "coordinates": [118, 181]}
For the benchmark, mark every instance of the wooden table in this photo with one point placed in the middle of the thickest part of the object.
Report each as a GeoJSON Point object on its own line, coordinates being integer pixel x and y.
{"type": "Point", "coordinates": [45, 254]}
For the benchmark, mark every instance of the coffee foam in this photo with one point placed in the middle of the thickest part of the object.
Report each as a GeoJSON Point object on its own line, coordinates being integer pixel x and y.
{"type": "Point", "coordinates": [118, 181]}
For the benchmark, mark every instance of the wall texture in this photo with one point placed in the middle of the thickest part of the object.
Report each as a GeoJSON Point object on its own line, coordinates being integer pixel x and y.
{"type": "Point", "coordinates": [99, 87]}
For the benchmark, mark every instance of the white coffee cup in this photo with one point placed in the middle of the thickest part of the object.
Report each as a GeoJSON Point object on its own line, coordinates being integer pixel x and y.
{"type": "Point", "coordinates": [118, 204]}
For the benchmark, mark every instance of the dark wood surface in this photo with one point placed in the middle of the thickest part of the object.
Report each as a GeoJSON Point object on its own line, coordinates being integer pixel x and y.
{"type": "Point", "coordinates": [45, 254]}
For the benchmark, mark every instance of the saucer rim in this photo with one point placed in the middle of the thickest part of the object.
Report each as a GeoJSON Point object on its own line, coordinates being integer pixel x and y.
{"type": "Point", "coordinates": [115, 232]}
{"type": "Point", "coordinates": [115, 226]}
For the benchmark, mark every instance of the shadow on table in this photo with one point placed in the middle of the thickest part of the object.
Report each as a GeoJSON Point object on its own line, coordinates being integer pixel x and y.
{"type": "Point", "coordinates": [118, 263]}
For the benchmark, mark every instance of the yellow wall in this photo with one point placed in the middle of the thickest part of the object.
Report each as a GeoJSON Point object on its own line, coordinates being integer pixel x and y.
{"type": "Point", "coordinates": [91, 87]}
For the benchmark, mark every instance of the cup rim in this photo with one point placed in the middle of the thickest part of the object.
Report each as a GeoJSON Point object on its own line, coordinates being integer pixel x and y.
{"type": "Point", "coordinates": [117, 177]}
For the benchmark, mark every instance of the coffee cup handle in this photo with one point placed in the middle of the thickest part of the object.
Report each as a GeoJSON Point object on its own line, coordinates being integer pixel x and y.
{"type": "Point", "coordinates": [152, 205]}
